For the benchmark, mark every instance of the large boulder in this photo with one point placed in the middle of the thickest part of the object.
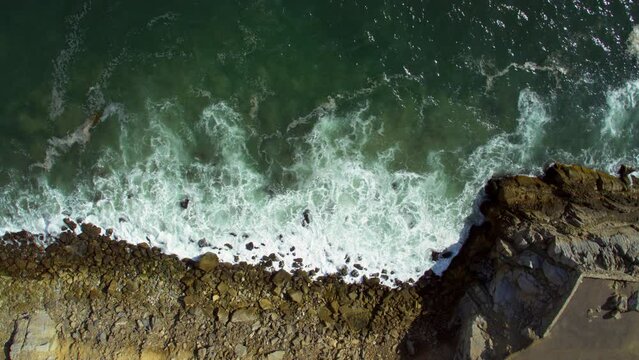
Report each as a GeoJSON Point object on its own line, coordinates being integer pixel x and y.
{"type": "Point", "coordinates": [207, 262]}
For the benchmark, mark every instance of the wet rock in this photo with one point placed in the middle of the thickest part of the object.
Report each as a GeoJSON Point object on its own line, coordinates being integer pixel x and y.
{"type": "Point", "coordinates": [70, 224]}
{"type": "Point", "coordinates": [281, 278]}
{"type": "Point", "coordinates": [306, 218]}
{"type": "Point", "coordinates": [343, 271]}
{"type": "Point", "coordinates": [435, 255]}
{"type": "Point", "coordinates": [184, 204]}
{"type": "Point", "coordinates": [207, 262]}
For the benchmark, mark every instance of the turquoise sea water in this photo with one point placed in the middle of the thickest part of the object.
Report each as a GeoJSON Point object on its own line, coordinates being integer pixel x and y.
{"type": "Point", "coordinates": [381, 120]}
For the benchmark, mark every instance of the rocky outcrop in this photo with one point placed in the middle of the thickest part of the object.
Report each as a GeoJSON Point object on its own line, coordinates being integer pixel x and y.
{"type": "Point", "coordinates": [516, 270]}
{"type": "Point", "coordinates": [101, 298]}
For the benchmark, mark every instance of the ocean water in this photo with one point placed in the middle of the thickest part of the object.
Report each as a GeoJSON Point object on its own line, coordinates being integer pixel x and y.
{"type": "Point", "coordinates": [339, 132]}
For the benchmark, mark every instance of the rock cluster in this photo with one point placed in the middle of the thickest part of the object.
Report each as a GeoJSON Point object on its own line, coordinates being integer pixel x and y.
{"type": "Point", "coordinates": [100, 298]}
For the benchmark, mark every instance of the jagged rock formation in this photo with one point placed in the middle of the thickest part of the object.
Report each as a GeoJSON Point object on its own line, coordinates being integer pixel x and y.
{"type": "Point", "coordinates": [99, 298]}
{"type": "Point", "coordinates": [516, 271]}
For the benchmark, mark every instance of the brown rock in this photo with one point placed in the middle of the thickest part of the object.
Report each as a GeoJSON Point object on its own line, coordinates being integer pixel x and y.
{"type": "Point", "coordinates": [207, 262]}
{"type": "Point", "coordinates": [281, 278]}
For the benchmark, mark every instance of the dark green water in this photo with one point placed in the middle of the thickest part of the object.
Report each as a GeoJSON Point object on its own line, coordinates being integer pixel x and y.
{"type": "Point", "coordinates": [382, 119]}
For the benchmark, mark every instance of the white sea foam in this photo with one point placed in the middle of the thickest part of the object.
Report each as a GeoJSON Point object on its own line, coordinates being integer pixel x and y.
{"type": "Point", "coordinates": [80, 136]}
{"type": "Point", "coordinates": [622, 107]}
{"type": "Point", "coordinates": [633, 42]}
{"type": "Point", "coordinates": [359, 209]}
{"type": "Point", "coordinates": [64, 59]}
{"type": "Point", "coordinates": [492, 75]}
{"type": "Point", "coordinates": [164, 19]}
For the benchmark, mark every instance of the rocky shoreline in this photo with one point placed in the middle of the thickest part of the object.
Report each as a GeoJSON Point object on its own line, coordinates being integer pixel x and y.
{"type": "Point", "coordinates": [88, 296]}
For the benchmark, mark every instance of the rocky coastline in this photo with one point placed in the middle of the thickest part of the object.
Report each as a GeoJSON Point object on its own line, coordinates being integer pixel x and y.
{"type": "Point", "coordinates": [87, 296]}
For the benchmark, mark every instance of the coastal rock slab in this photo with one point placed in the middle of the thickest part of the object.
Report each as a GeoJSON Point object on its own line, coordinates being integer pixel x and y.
{"type": "Point", "coordinates": [34, 338]}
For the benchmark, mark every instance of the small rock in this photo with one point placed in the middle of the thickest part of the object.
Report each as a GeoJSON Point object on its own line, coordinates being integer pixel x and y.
{"type": "Point", "coordinates": [70, 223]}
{"type": "Point", "coordinates": [222, 316]}
{"type": "Point", "coordinates": [296, 296]}
{"type": "Point", "coordinates": [622, 303]}
{"type": "Point", "coordinates": [102, 338]}
{"type": "Point", "coordinates": [306, 218]}
{"type": "Point", "coordinates": [184, 204]}
{"type": "Point", "coordinates": [504, 249]}
{"type": "Point", "coordinates": [250, 246]}
{"type": "Point", "coordinates": [244, 315]}
{"type": "Point", "coordinates": [325, 314]}
{"type": "Point", "coordinates": [188, 300]}
{"type": "Point", "coordinates": [435, 255]}
{"type": "Point", "coordinates": [343, 271]}
{"type": "Point", "coordinates": [240, 350]}
{"type": "Point", "coordinates": [265, 304]}
{"type": "Point", "coordinates": [615, 314]}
